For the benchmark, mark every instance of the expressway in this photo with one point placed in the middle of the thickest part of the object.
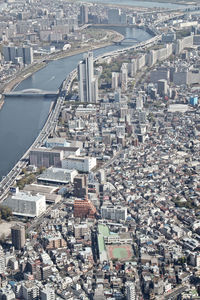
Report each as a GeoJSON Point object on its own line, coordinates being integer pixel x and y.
{"type": "Point", "coordinates": [49, 126]}
{"type": "Point", "coordinates": [52, 119]}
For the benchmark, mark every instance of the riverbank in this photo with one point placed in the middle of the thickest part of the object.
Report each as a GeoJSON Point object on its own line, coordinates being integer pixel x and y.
{"type": "Point", "coordinates": [27, 116]}
{"type": "Point", "coordinates": [41, 64]}
{"type": "Point", "coordinates": [1, 103]}
{"type": "Point", "coordinates": [111, 3]}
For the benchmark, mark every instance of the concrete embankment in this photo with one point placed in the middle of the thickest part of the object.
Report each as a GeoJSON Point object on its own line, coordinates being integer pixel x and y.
{"type": "Point", "coordinates": [1, 101]}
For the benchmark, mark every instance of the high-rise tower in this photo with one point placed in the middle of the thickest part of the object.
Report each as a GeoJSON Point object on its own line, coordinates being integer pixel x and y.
{"type": "Point", "coordinates": [2, 261]}
{"type": "Point", "coordinates": [84, 14]}
{"type": "Point", "coordinates": [88, 84]}
{"type": "Point", "coordinates": [18, 236]}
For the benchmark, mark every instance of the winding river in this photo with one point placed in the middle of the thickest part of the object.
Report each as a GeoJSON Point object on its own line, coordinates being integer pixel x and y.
{"type": "Point", "coordinates": [21, 119]}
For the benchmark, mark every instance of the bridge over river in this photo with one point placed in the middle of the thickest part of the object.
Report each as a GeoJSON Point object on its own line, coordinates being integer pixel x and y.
{"type": "Point", "coordinates": [32, 93]}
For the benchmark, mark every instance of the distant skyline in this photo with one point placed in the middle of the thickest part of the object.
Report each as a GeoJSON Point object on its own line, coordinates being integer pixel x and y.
{"type": "Point", "coordinates": [139, 3]}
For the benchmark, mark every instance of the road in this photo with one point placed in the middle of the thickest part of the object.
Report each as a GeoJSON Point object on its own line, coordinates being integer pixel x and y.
{"type": "Point", "coordinates": [48, 128]}
{"type": "Point", "coordinates": [175, 293]}
{"type": "Point", "coordinates": [51, 122]}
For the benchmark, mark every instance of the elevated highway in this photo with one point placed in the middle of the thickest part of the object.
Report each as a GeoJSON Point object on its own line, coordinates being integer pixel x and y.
{"type": "Point", "coordinates": [48, 128]}
{"type": "Point", "coordinates": [52, 119]}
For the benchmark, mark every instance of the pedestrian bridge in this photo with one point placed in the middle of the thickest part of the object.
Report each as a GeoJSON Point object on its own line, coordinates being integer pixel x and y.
{"type": "Point", "coordinates": [31, 93]}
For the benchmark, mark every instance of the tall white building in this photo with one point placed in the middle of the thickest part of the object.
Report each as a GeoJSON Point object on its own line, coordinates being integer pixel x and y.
{"type": "Point", "coordinates": [139, 102]}
{"type": "Point", "coordinates": [162, 87]}
{"type": "Point", "coordinates": [142, 117]}
{"type": "Point", "coordinates": [2, 261]}
{"type": "Point", "coordinates": [79, 163]}
{"type": "Point", "coordinates": [88, 83]}
{"type": "Point", "coordinates": [132, 67]}
{"type": "Point", "coordinates": [30, 290]}
{"type": "Point", "coordinates": [47, 294]}
{"type": "Point", "coordinates": [130, 291]}
{"type": "Point", "coordinates": [115, 80]}
{"type": "Point", "coordinates": [7, 293]}
{"type": "Point", "coordinates": [124, 77]}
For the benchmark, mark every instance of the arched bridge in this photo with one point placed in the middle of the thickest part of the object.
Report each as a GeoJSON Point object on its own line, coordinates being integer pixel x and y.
{"type": "Point", "coordinates": [32, 93]}
{"type": "Point", "coordinates": [127, 41]}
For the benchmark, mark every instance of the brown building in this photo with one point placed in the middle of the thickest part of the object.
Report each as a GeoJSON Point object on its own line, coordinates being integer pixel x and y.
{"type": "Point", "coordinates": [18, 236]}
{"type": "Point", "coordinates": [55, 242]}
{"type": "Point", "coordinates": [84, 209]}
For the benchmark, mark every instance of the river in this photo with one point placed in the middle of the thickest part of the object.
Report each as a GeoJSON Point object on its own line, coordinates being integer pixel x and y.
{"type": "Point", "coordinates": [150, 4]}
{"type": "Point", "coordinates": [21, 119]}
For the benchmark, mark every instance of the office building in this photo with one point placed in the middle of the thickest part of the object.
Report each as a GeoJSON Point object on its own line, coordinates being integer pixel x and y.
{"type": "Point", "coordinates": [194, 100]}
{"type": "Point", "coordinates": [141, 61]}
{"type": "Point", "coordinates": [47, 294]}
{"type": "Point", "coordinates": [42, 157]}
{"type": "Point", "coordinates": [88, 83]}
{"type": "Point", "coordinates": [124, 77]}
{"type": "Point", "coordinates": [142, 117]}
{"type": "Point", "coordinates": [139, 102]}
{"type": "Point", "coordinates": [115, 213]}
{"type": "Point", "coordinates": [185, 42]}
{"type": "Point", "coordinates": [152, 57]}
{"type": "Point", "coordinates": [79, 163]}
{"type": "Point", "coordinates": [18, 236]}
{"type": "Point", "coordinates": [25, 204]}
{"type": "Point", "coordinates": [130, 291]}
{"type": "Point", "coordinates": [114, 16]}
{"type": "Point", "coordinates": [83, 14]}
{"type": "Point", "coordinates": [11, 53]}
{"type": "Point", "coordinates": [117, 95]}
{"type": "Point", "coordinates": [30, 290]}
{"type": "Point", "coordinates": [162, 87]}
{"type": "Point", "coordinates": [27, 55]}
{"type": "Point", "coordinates": [102, 176]}
{"type": "Point", "coordinates": [132, 67]}
{"type": "Point", "coordinates": [159, 73]}
{"type": "Point", "coordinates": [169, 37]}
{"type": "Point", "coordinates": [2, 261]}
{"type": "Point", "coordinates": [120, 130]}
{"type": "Point", "coordinates": [115, 80]}
{"type": "Point", "coordinates": [6, 293]}
{"type": "Point", "coordinates": [80, 186]}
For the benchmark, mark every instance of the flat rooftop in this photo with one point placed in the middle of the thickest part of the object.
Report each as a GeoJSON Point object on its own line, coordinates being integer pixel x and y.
{"type": "Point", "coordinates": [26, 196]}
{"type": "Point", "coordinates": [178, 108]}
{"type": "Point", "coordinates": [103, 229]}
{"type": "Point", "coordinates": [56, 175]}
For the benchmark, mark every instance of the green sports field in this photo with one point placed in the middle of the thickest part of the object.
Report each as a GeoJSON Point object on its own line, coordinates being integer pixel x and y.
{"type": "Point", "coordinates": [120, 252]}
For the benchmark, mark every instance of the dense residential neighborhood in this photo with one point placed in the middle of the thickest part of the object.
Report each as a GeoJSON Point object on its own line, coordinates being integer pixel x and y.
{"type": "Point", "coordinates": [106, 202]}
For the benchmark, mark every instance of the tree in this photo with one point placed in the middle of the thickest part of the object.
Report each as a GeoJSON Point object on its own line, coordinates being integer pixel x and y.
{"type": "Point", "coordinates": [5, 212]}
